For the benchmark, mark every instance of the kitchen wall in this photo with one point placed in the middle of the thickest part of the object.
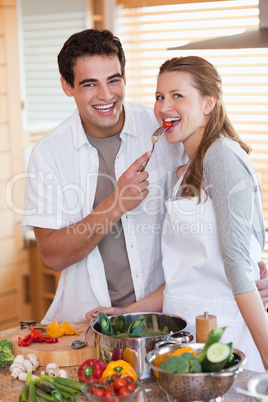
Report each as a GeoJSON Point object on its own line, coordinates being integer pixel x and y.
{"type": "Point", "coordinates": [14, 266]}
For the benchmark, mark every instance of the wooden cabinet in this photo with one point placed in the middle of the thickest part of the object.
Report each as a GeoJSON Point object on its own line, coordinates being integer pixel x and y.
{"type": "Point", "coordinates": [44, 282]}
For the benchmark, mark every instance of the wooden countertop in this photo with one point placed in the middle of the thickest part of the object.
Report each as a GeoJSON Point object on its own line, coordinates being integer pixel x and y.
{"type": "Point", "coordinates": [10, 389]}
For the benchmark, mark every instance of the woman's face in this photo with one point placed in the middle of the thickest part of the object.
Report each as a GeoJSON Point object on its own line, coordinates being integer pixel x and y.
{"type": "Point", "coordinates": [178, 101]}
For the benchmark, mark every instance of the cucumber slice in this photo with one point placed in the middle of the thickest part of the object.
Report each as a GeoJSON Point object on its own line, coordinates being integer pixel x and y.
{"type": "Point", "coordinates": [214, 336]}
{"type": "Point", "coordinates": [216, 357]}
{"type": "Point", "coordinates": [218, 352]}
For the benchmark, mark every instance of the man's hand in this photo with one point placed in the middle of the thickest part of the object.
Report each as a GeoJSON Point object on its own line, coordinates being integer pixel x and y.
{"type": "Point", "coordinates": [262, 284]}
{"type": "Point", "coordinates": [107, 310]}
{"type": "Point", "coordinates": [132, 186]}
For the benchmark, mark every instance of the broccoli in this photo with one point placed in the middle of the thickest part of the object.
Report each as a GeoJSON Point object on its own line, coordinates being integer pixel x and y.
{"type": "Point", "coordinates": [5, 343]}
{"type": "Point", "coordinates": [6, 355]}
{"type": "Point", "coordinates": [175, 364]}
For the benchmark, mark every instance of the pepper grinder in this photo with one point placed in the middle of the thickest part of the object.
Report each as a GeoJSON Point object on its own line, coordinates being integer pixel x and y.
{"type": "Point", "coordinates": [204, 324]}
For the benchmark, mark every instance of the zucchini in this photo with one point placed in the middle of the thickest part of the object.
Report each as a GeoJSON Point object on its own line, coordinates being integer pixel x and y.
{"type": "Point", "coordinates": [216, 357]}
{"type": "Point", "coordinates": [214, 336]}
{"type": "Point", "coordinates": [231, 360]}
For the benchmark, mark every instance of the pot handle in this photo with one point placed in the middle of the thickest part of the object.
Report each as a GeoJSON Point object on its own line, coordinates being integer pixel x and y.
{"type": "Point", "coordinates": [182, 337]}
{"type": "Point", "coordinates": [93, 321]}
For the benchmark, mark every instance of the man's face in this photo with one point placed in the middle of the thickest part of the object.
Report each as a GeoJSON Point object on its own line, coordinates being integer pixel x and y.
{"type": "Point", "coordinates": [99, 91]}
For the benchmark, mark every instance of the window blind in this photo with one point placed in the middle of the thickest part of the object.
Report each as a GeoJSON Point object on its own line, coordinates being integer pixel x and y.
{"type": "Point", "coordinates": [44, 29]}
{"type": "Point", "coordinates": [146, 34]}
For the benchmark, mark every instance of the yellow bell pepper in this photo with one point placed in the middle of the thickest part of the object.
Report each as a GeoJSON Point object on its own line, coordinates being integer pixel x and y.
{"type": "Point", "coordinates": [56, 332]}
{"type": "Point", "coordinates": [120, 367]}
{"type": "Point", "coordinates": [160, 358]}
{"type": "Point", "coordinates": [180, 351]}
{"type": "Point", "coordinates": [130, 356]}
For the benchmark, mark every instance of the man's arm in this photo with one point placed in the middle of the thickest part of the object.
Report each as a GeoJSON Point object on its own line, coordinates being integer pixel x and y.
{"type": "Point", "coordinates": [152, 302]}
{"type": "Point", "coordinates": [64, 247]}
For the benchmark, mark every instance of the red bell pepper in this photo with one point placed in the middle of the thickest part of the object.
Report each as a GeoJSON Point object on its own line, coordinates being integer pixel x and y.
{"type": "Point", "coordinates": [117, 354]}
{"type": "Point", "coordinates": [25, 341]}
{"type": "Point", "coordinates": [35, 336]}
{"type": "Point", "coordinates": [91, 370]}
{"type": "Point", "coordinates": [49, 339]}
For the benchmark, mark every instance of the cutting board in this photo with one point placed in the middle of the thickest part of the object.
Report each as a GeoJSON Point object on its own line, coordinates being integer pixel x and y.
{"type": "Point", "coordinates": [62, 352]}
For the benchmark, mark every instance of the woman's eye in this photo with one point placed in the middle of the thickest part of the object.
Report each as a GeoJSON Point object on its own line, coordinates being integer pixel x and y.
{"type": "Point", "coordinates": [177, 96]}
{"type": "Point", "coordinates": [159, 97]}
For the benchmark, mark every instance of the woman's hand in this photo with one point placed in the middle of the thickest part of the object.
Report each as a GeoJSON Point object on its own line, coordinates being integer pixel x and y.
{"type": "Point", "coordinates": [262, 284]}
{"type": "Point", "coordinates": [107, 310]}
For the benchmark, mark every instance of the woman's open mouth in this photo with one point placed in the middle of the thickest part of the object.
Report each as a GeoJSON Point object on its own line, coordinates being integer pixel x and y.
{"type": "Point", "coordinates": [174, 121]}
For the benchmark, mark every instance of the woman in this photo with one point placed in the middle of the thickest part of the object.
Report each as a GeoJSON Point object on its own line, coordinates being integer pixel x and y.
{"type": "Point", "coordinates": [213, 234]}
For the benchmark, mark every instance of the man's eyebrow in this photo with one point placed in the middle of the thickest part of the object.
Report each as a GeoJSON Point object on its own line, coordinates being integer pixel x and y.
{"type": "Point", "coordinates": [92, 80]}
{"type": "Point", "coordinates": [87, 81]}
{"type": "Point", "coordinates": [115, 76]}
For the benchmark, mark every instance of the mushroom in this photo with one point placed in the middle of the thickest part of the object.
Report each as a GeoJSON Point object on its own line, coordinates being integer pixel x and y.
{"type": "Point", "coordinates": [19, 359]}
{"type": "Point", "coordinates": [23, 376]}
{"type": "Point", "coordinates": [62, 373]}
{"type": "Point", "coordinates": [33, 360]}
{"type": "Point", "coordinates": [28, 365]}
{"type": "Point", "coordinates": [17, 368]}
{"type": "Point", "coordinates": [52, 369]}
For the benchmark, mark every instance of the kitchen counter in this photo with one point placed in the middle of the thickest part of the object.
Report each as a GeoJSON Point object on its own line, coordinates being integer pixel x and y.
{"type": "Point", "coordinates": [10, 389]}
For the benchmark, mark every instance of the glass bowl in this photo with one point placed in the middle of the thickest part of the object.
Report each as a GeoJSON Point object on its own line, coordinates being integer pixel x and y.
{"type": "Point", "coordinates": [116, 398]}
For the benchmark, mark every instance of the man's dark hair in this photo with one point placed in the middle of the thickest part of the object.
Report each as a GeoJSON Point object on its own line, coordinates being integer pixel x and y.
{"type": "Point", "coordinates": [89, 42]}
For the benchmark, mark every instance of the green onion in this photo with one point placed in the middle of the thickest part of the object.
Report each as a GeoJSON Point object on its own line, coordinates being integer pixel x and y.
{"type": "Point", "coordinates": [68, 397]}
{"type": "Point", "coordinates": [60, 386]}
{"type": "Point", "coordinates": [48, 387]}
{"type": "Point", "coordinates": [24, 393]}
{"type": "Point", "coordinates": [68, 382]}
{"type": "Point", "coordinates": [32, 396]}
{"type": "Point", "coordinates": [44, 396]}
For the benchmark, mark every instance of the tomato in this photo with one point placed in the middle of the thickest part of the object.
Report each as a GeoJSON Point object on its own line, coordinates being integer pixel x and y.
{"type": "Point", "coordinates": [102, 380]}
{"type": "Point", "coordinates": [124, 391]}
{"type": "Point", "coordinates": [119, 383]}
{"type": "Point", "coordinates": [99, 392]}
{"type": "Point", "coordinates": [92, 389]}
{"type": "Point", "coordinates": [167, 124]}
{"type": "Point", "coordinates": [129, 379]}
{"type": "Point", "coordinates": [108, 392]}
{"type": "Point", "coordinates": [130, 386]}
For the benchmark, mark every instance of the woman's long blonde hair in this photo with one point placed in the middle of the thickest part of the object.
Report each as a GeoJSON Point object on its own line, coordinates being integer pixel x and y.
{"type": "Point", "coordinates": [208, 82]}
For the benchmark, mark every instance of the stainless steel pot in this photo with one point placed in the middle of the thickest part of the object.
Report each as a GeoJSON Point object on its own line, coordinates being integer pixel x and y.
{"type": "Point", "coordinates": [134, 350]}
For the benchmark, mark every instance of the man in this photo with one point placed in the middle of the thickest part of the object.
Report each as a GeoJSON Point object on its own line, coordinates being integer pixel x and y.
{"type": "Point", "coordinates": [95, 216]}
